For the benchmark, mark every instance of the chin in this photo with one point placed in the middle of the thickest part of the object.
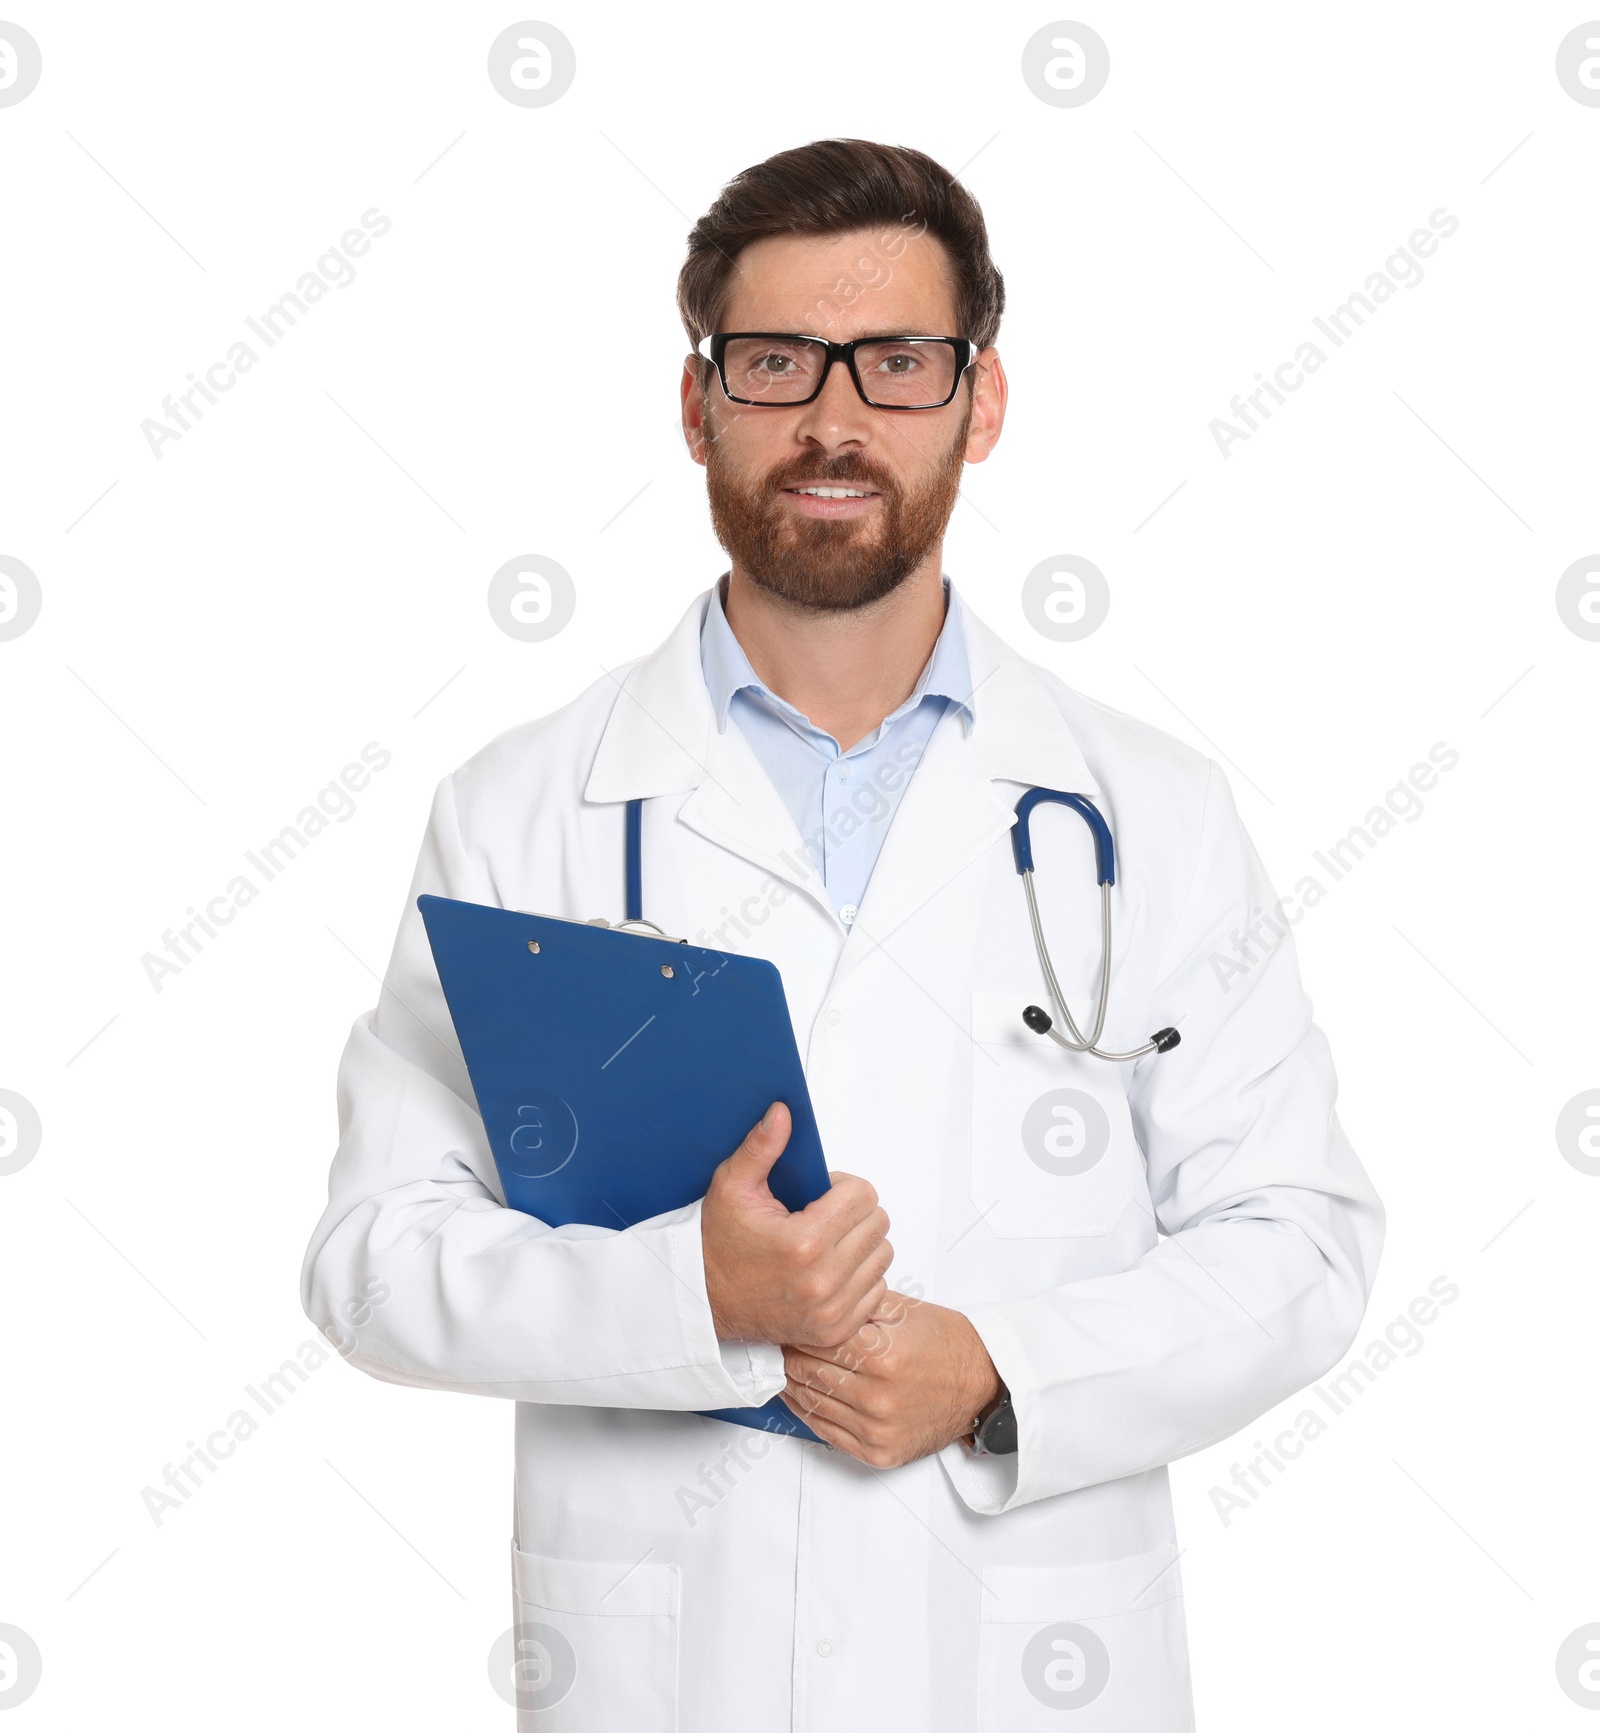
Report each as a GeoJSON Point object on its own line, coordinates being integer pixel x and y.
{"type": "Point", "coordinates": [832, 586]}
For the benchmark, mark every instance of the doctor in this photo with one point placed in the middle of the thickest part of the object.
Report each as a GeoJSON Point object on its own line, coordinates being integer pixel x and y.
{"type": "Point", "coordinates": [1040, 1276]}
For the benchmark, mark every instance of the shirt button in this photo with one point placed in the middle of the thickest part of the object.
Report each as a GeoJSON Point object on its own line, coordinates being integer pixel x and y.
{"type": "Point", "coordinates": [832, 1013]}
{"type": "Point", "coordinates": [824, 1648]}
{"type": "Point", "coordinates": [848, 914]}
{"type": "Point", "coordinates": [841, 769]}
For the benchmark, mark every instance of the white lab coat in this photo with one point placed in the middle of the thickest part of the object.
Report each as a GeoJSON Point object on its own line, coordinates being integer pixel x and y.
{"type": "Point", "coordinates": [673, 1572]}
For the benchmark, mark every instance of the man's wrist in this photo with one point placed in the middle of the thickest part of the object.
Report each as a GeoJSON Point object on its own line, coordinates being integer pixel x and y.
{"type": "Point", "coordinates": [985, 1387]}
{"type": "Point", "coordinates": [993, 1397]}
{"type": "Point", "coordinates": [988, 1392]}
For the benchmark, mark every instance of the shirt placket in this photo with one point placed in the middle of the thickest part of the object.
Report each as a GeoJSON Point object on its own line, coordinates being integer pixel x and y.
{"type": "Point", "coordinates": [845, 852]}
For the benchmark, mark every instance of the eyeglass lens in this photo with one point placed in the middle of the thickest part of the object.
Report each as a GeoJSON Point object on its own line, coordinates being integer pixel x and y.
{"type": "Point", "coordinates": [898, 373]}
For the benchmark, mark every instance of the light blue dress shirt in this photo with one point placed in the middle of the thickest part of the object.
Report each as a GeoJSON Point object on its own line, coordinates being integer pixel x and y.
{"type": "Point", "coordinates": [842, 802]}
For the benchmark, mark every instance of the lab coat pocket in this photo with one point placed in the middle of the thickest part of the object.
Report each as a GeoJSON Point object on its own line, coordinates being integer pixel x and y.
{"type": "Point", "coordinates": [1053, 1152]}
{"type": "Point", "coordinates": [595, 1645]}
{"type": "Point", "coordinates": [1105, 1641]}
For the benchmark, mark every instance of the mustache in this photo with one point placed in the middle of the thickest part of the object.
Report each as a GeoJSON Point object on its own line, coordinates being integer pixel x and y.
{"type": "Point", "coordinates": [848, 470]}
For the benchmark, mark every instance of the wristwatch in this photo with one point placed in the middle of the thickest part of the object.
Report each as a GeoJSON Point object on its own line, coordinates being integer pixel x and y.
{"type": "Point", "coordinates": [994, 1432]}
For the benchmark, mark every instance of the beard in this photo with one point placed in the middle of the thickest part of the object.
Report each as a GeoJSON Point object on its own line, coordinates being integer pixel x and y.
{"type": "Point", "coordinates": [831, 565]}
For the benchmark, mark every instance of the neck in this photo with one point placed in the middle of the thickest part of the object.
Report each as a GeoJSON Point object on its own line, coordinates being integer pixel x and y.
{"type": "Point", "coordinates": [845, 671]}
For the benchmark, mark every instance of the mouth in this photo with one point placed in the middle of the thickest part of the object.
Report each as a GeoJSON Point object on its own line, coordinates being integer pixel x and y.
{"type": "Point", "coordinates": [832, 499]}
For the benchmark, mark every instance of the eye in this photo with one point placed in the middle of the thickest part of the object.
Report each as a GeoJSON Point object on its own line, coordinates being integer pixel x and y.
{"type": "Point", "coordinates": [898, 363]}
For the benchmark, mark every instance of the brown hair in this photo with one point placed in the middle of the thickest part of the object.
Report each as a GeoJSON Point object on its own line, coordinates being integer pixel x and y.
{"type": "Point", "coordinates": [833, 186]}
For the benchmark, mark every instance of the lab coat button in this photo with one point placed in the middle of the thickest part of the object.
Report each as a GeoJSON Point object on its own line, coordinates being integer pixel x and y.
{"type": "Point", "coordinates": [824, 1648]}
{"type": "Point", "coordinates": [848, 914]}
{"type": "Point", "coordinates": [832, 1013]}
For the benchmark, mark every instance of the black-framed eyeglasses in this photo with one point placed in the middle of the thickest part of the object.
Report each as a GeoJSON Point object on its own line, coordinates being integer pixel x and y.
{"type": "Point", "coordinates": [777, 367]}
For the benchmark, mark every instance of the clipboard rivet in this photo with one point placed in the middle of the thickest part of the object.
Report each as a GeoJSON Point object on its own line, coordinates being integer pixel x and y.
{"type": "Point", "coordinates": [666, 969]}
{"type": "Point", "coordinates": [533, 945]}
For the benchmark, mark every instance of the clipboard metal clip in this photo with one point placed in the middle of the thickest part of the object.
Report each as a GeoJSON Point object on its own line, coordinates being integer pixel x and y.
{"type": "Point", "coordinates": [637, 924]}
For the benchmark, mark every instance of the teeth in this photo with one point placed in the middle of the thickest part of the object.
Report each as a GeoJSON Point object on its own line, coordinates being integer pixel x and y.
{"type": "Point", "coordinates": [834, 492]}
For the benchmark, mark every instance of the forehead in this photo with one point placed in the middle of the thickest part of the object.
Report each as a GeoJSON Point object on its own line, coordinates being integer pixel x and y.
{"type": "Point", "coordinates": [886, 280]}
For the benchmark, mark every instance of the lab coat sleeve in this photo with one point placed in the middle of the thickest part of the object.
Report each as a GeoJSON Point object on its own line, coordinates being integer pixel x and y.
{"type": "Point", "coordinates": [1273, 1228]}
{"type": "Point", "coordinates": [420, 1274]}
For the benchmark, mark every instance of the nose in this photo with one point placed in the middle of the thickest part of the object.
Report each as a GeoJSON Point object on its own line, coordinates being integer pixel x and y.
{"type": "Point", "coordinates": [836, 419]}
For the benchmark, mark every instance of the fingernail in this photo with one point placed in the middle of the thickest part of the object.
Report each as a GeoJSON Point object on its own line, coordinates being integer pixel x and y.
{"type": "Point", "coordinates": [766, 1118]}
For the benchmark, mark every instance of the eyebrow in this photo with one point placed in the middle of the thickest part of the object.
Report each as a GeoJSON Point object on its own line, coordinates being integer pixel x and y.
{"type": "Point", "coordinates": [868, 336]}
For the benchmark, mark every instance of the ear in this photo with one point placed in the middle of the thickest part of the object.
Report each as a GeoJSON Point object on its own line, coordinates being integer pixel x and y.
{"type": "Point", "coordinates": [692, 408]}
{"type": "Point", "coordinates": [988, 405]}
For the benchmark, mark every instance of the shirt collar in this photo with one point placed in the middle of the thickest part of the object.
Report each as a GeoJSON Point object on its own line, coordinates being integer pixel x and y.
{"type": "Point", "coordinates": [727, 669]}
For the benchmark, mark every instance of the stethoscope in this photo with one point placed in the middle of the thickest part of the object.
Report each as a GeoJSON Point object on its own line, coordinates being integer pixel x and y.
{"type": "Point", "coordinates": [1163, 1041]}
{"type": "Point", "coordinates": [1105, 870]}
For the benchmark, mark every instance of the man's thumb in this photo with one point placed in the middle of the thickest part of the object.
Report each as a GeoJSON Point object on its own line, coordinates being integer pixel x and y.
{"type": "Point", "coordinates": [764, 1143]}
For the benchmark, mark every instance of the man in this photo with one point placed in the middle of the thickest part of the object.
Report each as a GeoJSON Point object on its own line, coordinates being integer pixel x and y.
{"type": "Point", "coordinates": [1095, 1267]}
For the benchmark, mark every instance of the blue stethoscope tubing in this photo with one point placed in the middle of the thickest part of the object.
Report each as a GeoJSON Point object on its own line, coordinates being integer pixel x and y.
{"type": "Point", "coordinates": [1038, 1020]}
{"type": "Point", "coordinates": [1105, 872]}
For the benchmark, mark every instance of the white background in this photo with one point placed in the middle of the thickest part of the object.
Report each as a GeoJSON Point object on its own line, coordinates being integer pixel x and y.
{"type": "Point", "coordinates": [305, 571]}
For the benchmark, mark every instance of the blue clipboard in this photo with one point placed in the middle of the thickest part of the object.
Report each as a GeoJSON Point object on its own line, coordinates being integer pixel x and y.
{"type": "Point", "coordinates": [615, 1071]}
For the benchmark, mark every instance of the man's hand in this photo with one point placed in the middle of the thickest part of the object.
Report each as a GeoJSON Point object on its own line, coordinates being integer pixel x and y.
{"type": "Point", "coordinates": [814, 1276]}
{"type": "Point", "coordinates": [911, 1381]}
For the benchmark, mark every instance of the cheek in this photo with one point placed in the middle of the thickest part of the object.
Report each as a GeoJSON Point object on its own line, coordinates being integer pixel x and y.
{"type": "Point", "coordinates": [749, 444]}
{"type": "Point", "coordinates": [945, 432]}
{"type": "Point", "coordinates": [930, 450]}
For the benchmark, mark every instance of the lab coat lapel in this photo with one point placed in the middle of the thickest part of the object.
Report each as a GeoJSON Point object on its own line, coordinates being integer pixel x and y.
{"type": "Point", "coordinates": [662, 738]}
{"type": "Point", "coordinates": [947, 817]}
{"type": "Point", "coordinates": [738, 806]}
{"type": "Point", "coordinates": [962, 795]}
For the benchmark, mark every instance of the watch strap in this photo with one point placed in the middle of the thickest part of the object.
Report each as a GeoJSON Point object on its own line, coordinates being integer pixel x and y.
{"type": "Point", "coordinates": [995, 1433]}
